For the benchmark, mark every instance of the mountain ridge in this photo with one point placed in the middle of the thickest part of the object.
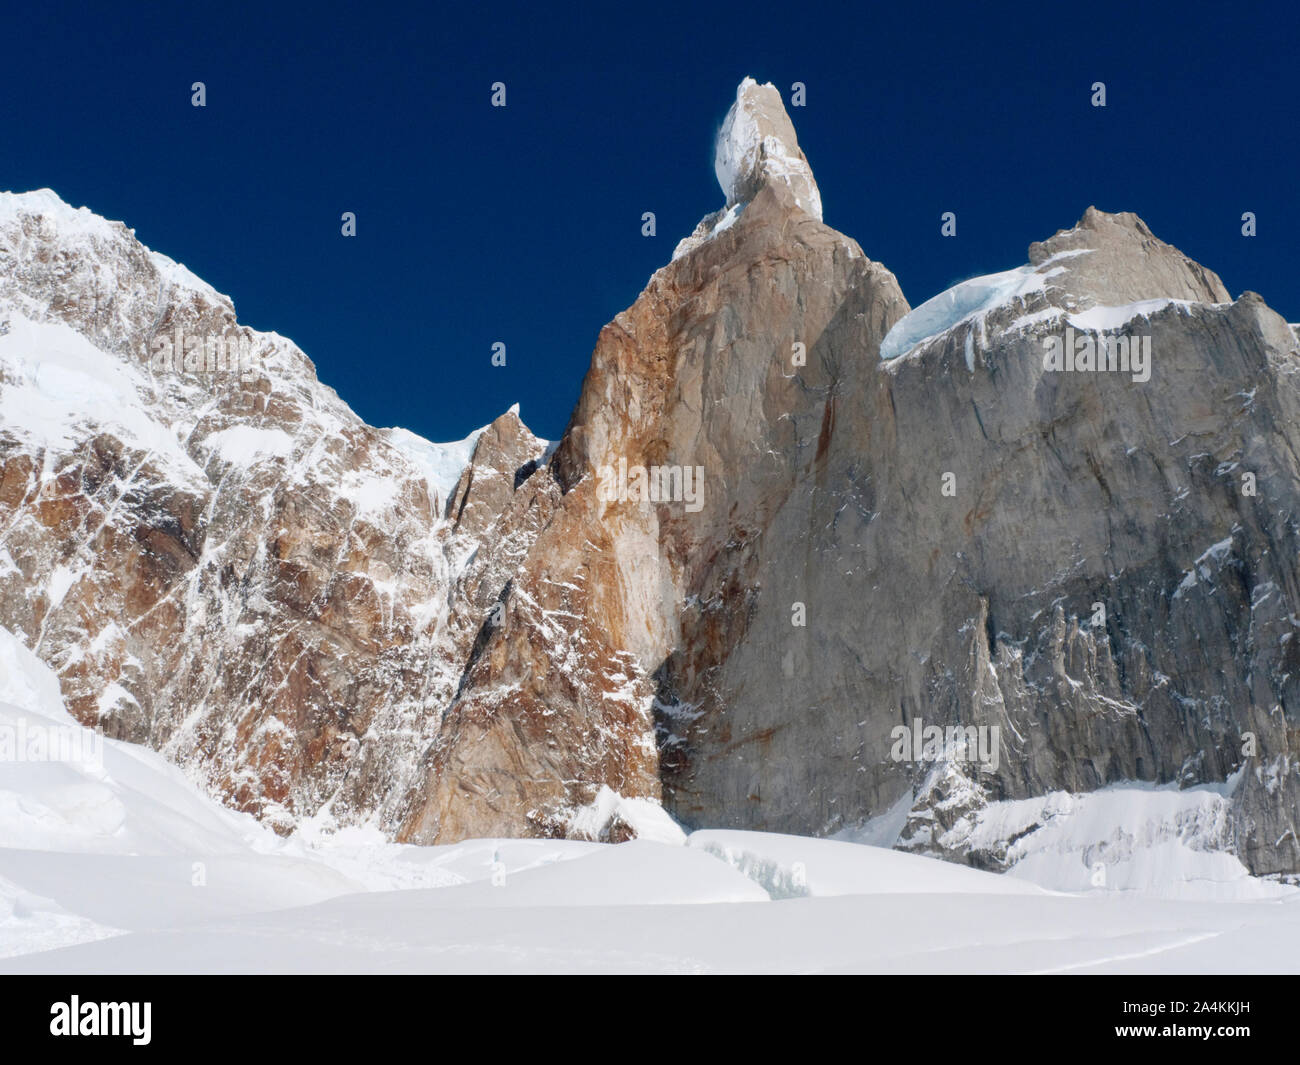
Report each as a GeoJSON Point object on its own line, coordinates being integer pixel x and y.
{"type": "Point", "coordinates": [487, 660]}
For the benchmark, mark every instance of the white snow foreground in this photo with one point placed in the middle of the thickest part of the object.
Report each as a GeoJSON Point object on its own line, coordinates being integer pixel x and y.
{"type": "Point", "coordinates": [114, 862]}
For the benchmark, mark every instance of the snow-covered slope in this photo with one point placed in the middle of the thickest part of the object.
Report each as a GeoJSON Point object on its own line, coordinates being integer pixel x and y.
{"type": "Point", "coordinates": [963, 302]}
{"type": "Point", "coordinates": [116, 863]}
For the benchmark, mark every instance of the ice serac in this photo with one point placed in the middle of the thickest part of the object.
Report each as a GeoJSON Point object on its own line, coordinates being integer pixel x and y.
{"type": "Point", "coordinates": [756, 148]}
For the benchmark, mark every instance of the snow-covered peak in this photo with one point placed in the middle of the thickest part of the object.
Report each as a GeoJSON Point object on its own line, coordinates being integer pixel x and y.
{"type": "Point", "coordinates": [1104, 271]}
{"type": "Point", "coordinates": [99, 247]}
{"type": "Point", "coordinates": [48, 204]}
{"type": "Point", "coordinates": [757, 145]}
{"type": "Point", "coordinates": [179, 276]}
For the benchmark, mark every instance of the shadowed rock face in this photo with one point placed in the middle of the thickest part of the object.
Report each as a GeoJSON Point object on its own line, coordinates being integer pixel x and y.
{"type": "Point", "coordinates": [977, 608]}
{"type": "Point", "coordinates": [1101, 565]}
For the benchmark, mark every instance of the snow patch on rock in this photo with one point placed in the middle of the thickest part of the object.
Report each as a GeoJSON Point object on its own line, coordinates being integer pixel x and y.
{"type": "Point", "coordinates": [646, 818]}
{"type": "Point", "coordinates": [56, 387]}
{"type": "Point", "coordinates": [963, 302]}
{"type": "Point", "coordinates": [1110, 319]}
{"type": "Point", "coordinates": [1154, 839]}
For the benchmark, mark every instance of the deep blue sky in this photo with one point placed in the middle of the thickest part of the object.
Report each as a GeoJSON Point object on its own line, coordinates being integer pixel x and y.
{"type": "Point", "coordinates": [523, 225]}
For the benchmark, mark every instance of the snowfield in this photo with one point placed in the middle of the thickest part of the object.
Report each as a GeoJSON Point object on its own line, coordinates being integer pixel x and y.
{"type": "Point", "coordinates": [113, 862]}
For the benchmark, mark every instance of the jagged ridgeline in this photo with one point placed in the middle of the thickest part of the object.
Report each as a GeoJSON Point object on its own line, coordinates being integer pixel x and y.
{"type": "Point", "coordinates": [1018, 565]}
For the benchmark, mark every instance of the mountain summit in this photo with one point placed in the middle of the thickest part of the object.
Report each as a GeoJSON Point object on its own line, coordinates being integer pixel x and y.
{"type": "Point", "coordinates": [757, 146]}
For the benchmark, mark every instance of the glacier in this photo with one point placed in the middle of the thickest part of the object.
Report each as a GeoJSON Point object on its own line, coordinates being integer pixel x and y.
{"type": "Point", "coordinates": [127, 867]}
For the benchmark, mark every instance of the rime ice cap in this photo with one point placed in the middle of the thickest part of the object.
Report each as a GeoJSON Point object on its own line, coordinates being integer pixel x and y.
{"type": "Point", "coordinates": [757, 145]}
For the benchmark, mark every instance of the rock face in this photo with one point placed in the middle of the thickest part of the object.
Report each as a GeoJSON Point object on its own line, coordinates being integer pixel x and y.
{"type": "Point", "coordinates": [1112, 581]}
{"type": "Point", "coordinates": [1097, 585]}
{"type": "Point", "coordinates": [226, 564]}
{"type": "Point", "coordinates": [789, 518]}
